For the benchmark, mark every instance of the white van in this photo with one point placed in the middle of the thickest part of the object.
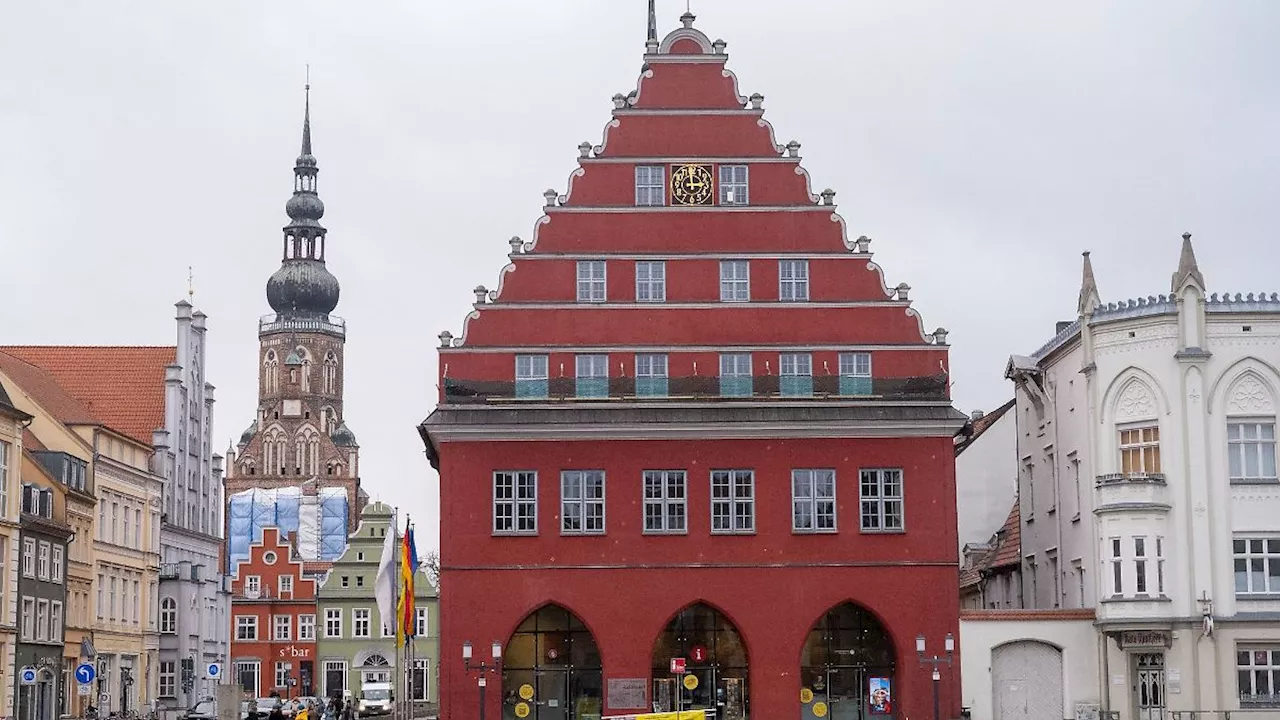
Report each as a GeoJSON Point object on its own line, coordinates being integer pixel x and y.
{"type": "Point", "coordinates": [376, 699]}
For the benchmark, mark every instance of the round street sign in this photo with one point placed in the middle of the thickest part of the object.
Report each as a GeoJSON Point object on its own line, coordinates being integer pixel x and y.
{"type": "Point", "coordinates": [85, 673]}
{"type": "Point", "coordinates": [214, 670]}
{"type": "Point", "coordinates": [28, 675]}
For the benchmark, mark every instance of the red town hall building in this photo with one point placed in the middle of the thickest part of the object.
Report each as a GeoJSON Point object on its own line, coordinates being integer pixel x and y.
{"type": "Point", "coordinates": [273, 620]}
{"type": "Point", "coordinates": [693, 422]}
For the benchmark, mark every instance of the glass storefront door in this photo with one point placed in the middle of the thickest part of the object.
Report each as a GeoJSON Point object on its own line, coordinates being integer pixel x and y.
{"type": "Point", "coordinates": [551, 669]}
{"type": "Point", "coordinates": [846, 668]}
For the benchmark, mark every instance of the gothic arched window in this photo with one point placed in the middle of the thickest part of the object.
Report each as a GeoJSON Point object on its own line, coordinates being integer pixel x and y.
{"type": "Point", "coordinates": [306, 368]}
{"type": "Point", "coordinates": [331, 373]}
{"type": "Point", "coordinates": [271, 373]}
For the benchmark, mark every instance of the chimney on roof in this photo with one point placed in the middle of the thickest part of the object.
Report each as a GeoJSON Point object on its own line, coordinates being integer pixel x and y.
{"type": "Point", "coordinates": [976, 415]}
{"type": "Point", "coordinates": [1061, 325]}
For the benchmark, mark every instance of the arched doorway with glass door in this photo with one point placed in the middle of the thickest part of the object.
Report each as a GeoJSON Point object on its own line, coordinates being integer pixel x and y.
{"type": "Point", "coordinates": [551, 669]}
{"type": "Point", "coordinates": [715, 660]}
{"type": "Point", "coordinates": [847, 667]}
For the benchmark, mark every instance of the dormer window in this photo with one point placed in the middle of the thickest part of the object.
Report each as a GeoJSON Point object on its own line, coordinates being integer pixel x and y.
{"type": "Point", "coordinates": [650, 186]}
{"type": "Point", "coordinates": [733, 185]}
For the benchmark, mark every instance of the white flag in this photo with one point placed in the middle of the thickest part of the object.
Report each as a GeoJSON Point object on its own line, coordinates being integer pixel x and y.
{"type": "Point", "coordinates": [384, 585]}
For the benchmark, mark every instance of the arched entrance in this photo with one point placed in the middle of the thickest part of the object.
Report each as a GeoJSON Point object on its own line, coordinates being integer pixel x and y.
{"type": "Point", "coordinates": [551, 669]}
{"type": "Point", "coordinates": [1026, 680]}
{"type": "Point", "coordinates": [715, 660]}
{"type": "Point", "coordinates": [375, 669]}
{"type": "Point", "coordinates": [847, 667]}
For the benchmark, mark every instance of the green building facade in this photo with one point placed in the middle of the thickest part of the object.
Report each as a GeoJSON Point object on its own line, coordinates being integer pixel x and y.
{"type": "Point", "coordinates": [351, 647]}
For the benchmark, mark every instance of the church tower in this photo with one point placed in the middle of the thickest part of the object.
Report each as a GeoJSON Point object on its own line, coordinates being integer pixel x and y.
{"type": "Point", "coordinates": [298, 440]}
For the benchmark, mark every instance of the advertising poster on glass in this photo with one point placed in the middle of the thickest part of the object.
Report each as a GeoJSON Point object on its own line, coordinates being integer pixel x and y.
{"type": "Point", "coordinates": [880, 695]}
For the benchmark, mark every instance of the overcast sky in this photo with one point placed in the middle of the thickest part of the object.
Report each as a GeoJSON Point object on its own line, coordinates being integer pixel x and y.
{"type": "Point", "coordinates": [982, 145]}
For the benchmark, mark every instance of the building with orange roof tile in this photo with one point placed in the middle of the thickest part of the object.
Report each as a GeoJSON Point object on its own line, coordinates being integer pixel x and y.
{"type": "Point", "coordinates": [12, 424]}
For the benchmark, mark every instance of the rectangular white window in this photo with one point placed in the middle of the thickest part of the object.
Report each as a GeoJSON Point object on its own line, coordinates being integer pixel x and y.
{"type": "Point", "coordinates": [531, 376]}
{"type": "Point", "coordinates": [735, 375]}
{"type": "Point", "coordinates": [1117, 568]}
{"type": "Point", "coordinates": [1257, 565]}
{"type": "Point", "coordinates": [248, 674]}
{"type": "Point", "coordinates": [28, 557]}
{"type": "Point", "coordinates": [813, 500]}
{"type": "Point", "coordinates": [360, 623]}
{"type": "Point", "coordinates": [651, 281]}
{"type": "Point", "coordinates": [855, 373]}
{"type": "Point", "coordinates": [285, 584]}
{"type": "Point", "coordinates": [733, 185]}
{"type": "Point", "coordinates": [246, 627]}
{"type": "Point", "coordinates": [650, 186]}
{"type": "Point", "coordinates": [651, 375]}
{"type": "Point", "coordinates": [1160, 566]}
{"type": "Point", "coordinates": [419, 680]}
{"type": "Point", "coordinates": [1258, 677]}
{"type": "Point", "coordinates": [55, 621]}
{"type": "Point", "coordinates": [881, 501]}
{"type": "Point", "coordinates": [591, 281]}
{"type": "Point", "coordinates": [42, 619]}
{"type": "Point", "coordinates": [1251, 451]}
{"type": "Point", "coordinates": [333, 622]}
{"type": "Point", "coordinates": [796, 371]}
{"type": "Point", "coordinates": [42, 561]}
{"type": "Point", "coordinates": [282, 674]}
{"type": "Point", "coordinates": [735, 281]}
{"type": "Point", "coordinates": [793, 280]}
{"type": "Point", "coordinates": [1140, 564]}
{"type": "Point", "coordinates": [284, 627]}
{"type": "Point", "coordinates": [168, 679]}
{"type": "Point", "coordinates": [420, 622]}
{"type": "Point", "coordinates": [582, 502]}
{"type": "Point", "coordinates": [665, 501]}
{"type": "Point", "coordinates": [253, 586]}
{"type": "Point", "coordinates": [515, 503]}
{"type": "Point", "coordinates": [4, 478]}
{"type": "Point", "coordinates": [55, 573]}
{"type": "Point", "coordinates": [306, 627]}
{"type": "Point", "coordinates": [28, 618]}
{"type": "Point", "coordinates": [733, 501]}
{"type": "Point", "coordinates": [1140, 450]}
{"type": "Point", "coordinates": [591, 376]}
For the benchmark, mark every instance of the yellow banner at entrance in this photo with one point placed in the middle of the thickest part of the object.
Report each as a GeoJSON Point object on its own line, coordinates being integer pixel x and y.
{"type": "Point", "coordinates": [684, 715]}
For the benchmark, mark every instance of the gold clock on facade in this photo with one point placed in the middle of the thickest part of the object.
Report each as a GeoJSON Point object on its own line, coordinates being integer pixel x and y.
{"type": "Point", "coordinates": [692, 185]}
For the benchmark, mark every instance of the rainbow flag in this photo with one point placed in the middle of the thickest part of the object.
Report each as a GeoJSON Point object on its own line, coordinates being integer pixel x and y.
{"type": "Point", "coordinates": [407, 625]}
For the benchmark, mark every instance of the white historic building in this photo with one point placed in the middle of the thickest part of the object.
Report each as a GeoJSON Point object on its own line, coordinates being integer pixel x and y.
{"type": "Point", "coordinates": [1146, 442]}
{"type": "Point", "coordinates": [194, 593]}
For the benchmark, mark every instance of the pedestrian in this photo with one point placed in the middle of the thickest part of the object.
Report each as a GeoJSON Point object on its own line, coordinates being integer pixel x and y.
{"type": "Point", "coordinates": [277, 711]}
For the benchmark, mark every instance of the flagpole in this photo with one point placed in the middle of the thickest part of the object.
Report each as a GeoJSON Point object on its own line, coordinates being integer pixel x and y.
{"type": "Point", "coordinates": [395, 582]}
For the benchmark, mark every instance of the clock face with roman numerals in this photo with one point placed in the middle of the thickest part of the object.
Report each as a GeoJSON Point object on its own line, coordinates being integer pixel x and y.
{"type": "Point", "coordinates": [692, 185]}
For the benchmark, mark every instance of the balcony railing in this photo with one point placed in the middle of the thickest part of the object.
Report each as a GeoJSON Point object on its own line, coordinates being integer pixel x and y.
{"type": "Point", "coordinates": [698, 387]}
{"type": "Point", "coordinates": [328, 324]}
{"type": "Point", "coordinates": [1130, 478]}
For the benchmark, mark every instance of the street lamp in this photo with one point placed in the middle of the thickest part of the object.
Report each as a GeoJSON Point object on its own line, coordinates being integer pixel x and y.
{"type": "Point", "coordinates": [484, 668]}
{"type": "Point", "coordinates": [950, 646]}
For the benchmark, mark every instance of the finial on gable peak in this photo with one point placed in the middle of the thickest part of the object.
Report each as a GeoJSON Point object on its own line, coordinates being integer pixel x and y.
{"type": "Point", "coordinates": [651, 43]}
{"type": "Point", "coordinates": [687, 19]}
{"type": "Point", "coordinates": [1089, 298]}
{"type": "Point", "coordinates": [1188, 268]}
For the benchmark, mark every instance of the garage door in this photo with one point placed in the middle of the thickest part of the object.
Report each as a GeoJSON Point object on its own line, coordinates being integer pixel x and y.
{"type": "Point", "coordinates": [1027, 681]}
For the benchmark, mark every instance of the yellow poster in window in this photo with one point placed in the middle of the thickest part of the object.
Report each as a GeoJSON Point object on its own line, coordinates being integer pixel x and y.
{"type": "Point", "coordinates": [819, 709]}
{"type": "Point", "coordinates": [526, 692]}
{"type": "Point", "coordinates": [691, 682]}
{"type": "Point", "coordinates": [806, 695]}
{"type": "Point", "coordinates": [522, 710]}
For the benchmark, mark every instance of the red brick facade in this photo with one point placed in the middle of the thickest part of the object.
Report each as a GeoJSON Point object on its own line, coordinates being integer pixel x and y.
{"type": "Point", "coordinates": [270, 619]}
{"type": "Point", "coordinates": [694, 422]}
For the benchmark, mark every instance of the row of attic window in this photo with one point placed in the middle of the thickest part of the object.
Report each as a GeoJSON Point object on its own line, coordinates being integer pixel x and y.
{"type": "Point", "coordinates": [691, 185]}
{"type": "Point", "coordinates": [735, 281]}
{"type": "Point", "coordinates": [736, 379]}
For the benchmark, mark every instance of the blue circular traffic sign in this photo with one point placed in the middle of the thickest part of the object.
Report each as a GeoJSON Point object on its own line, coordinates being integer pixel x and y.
{"type": "Point", "coordinates": [85, 673]}
{"type": "Point", "coordinates": [28, 675]}
{"type": "Point", "coordinates": [215, 669]}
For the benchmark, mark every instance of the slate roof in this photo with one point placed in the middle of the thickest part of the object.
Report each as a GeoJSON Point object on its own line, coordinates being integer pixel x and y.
{"type": "Point", "coordinates": [122, 386]}
{"type": "Point", "coordinates": [45, 390]}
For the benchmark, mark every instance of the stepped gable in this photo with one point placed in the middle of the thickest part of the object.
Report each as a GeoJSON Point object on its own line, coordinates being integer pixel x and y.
{"type": "Point", "coordinates": [687, 109]}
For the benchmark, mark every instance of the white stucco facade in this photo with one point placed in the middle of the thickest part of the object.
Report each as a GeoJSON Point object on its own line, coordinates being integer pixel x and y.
{"type": "Point", "coordinates": [986, 479]}
{"type": "Point", "coordinates": [1131, 502]}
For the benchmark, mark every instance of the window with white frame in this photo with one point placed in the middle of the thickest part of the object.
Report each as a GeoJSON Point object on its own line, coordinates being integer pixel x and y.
{"type": "Point", "coordinates": [55, 621]}
{"type": "Point", "coordinates": [285, 584]}
{"type": "Point", "coordinates": [42, 620]}
{"type": "Point", "coordinates": [855, 373]}
{"type": "Point", "coordinates": [168, 679]}
{"type": "Point", "coordinates": [168, 616]}
{"type": "Point", "coordinates": [591, 281]}
{"type": "Point", "coordinates": [28, 557]}
{"type": "Point", "coordinates": [1258, 675]}
{"type": "Point", "coordinates": [735, 281]}
{"type": "Point", "coordinates": [1117, 567]}
{"type": "Point", "coordinates": [591, 376]}
{"type": "Point", "coordinates": [665, 501]}
{"type": "Point", "coordinates": [420, 622]}
{"type": "Point", "coordinates": [55, 565]}
{"type": "Point", "coordinates": [333, 622]}
{"type": "Point", "coordinates": [733, 501]}
{"type": "Point", "coordinates": [360, 623]}
{"type": "Point", "coordinates": [246, 627]}
{"type": "Point", "coordinates": [1140, 565]}
{"type": "Point", "coordinates": [735, 375]}
{"type": "Point", "coordinates": [813, 501]}
{"type": "Point", "coordinates": [1160, 566]}
{"type": "Point", "coordinates": [282, 674]}
{"type": "Point", "coordinates": [651, 375]}
{"type": "Point", "coordinates": [253, 586]}
{"type": "Point", "coordinates": [419, 680]}
{"type": "Point", "coordinates": [881, 500]}
{"type": "Point", "coordinates": [1140, 450]}
{"type": "Point", "coordinates": [1257, 565]}
{"type": "Point", "coordinates": [582, 502]}
{"type": "Point", "coordinates": [650, 185]}
{"type": "Point", "coordinates": [248, 674]}
{"type": "Point", "coordinates": [793, 280]}
{"type": "Point", "coordinates": [515, 502]}
{"type": "Point", "coordinates": [531, 376]}
{"type": "Point", "coordinates": [1251, 451]}
{"type": "Point", "coordinates": [733, 185]}
{"type": "Point", "coordinates": [283, 627]}
{"type": "Point", "coordinates": [42, 561]}
{"type": "Point", "coordinates": [4, 477]}
{"type": "Point", "coordinates": [28, 618]}
{"type": "Point", "coordinates": [306, 627]}
{"type": "Point", "coordinates": [651, 281]}
{"type": "Point", "coordinates": [796, 374]}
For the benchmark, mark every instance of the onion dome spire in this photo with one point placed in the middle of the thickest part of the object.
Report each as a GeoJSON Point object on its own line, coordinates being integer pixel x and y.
{"type": "Point", "coordinates": [303, 286]}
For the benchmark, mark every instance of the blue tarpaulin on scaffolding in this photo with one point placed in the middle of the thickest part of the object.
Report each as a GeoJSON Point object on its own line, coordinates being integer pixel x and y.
{"type": "Point", "coordinates": [252, 511]}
